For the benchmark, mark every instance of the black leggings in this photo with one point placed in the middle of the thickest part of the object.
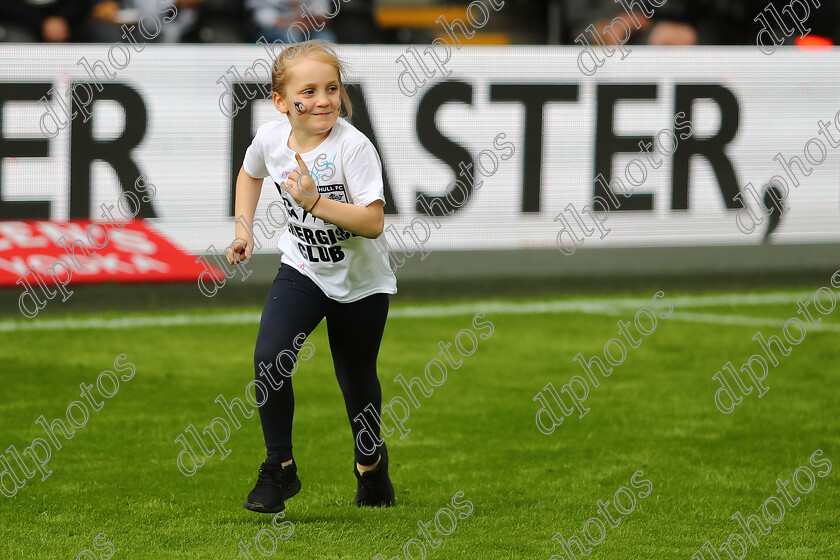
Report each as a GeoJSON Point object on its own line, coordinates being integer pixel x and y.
{"type": "Point", "coordinates": [296, 305]}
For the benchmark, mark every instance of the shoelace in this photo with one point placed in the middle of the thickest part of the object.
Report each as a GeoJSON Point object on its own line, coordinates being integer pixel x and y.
{"type": "Point", "coordinates": [265, 479]}
{"type": "Point", "coordinates": [269, 478]}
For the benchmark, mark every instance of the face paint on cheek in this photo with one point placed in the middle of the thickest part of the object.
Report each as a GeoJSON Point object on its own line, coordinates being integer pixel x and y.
{"type": "Point", "coordinates": [300, 108]}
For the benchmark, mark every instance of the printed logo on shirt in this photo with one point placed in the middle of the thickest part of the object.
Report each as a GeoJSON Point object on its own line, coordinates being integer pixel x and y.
{"type": "Point", "coordinates": [318, 244]}
{"type": "Point", "coordinates": [318, 241]}
{"type": "Point", "coordinates": [333, 192]}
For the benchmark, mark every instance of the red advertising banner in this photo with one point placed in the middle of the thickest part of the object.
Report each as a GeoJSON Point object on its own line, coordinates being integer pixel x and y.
{"type": "Point", "coordinates": [84, 251]}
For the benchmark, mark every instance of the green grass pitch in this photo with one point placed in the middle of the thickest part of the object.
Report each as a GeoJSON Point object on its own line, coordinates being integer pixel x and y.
{"type": "Point", "coordinates": [476, 434]}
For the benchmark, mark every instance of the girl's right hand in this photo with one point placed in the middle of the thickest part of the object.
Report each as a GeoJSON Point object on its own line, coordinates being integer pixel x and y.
{"type": "Point", "coordinates": [237, 252]}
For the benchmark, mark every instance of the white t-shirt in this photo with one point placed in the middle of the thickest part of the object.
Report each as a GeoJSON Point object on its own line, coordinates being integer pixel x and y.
{"type": "Point", "coordinates": [345, 167]}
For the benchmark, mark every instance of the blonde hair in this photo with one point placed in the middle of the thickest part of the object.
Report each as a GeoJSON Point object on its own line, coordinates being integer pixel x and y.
{"type": "Point", "coordinates": [316, 49]}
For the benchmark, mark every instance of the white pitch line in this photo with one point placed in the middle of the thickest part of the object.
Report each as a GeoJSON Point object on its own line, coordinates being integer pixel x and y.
{"type": "Point", "coordinates": [595, 305]}
{"type": "Point", "coordinates": [605, 306]}
{"type": "Point", "coordinates": [129, 322]}
{"type": "Point", "coordinates": [718, 319]}
{"type": "Point", "coordinates": [751, 321]}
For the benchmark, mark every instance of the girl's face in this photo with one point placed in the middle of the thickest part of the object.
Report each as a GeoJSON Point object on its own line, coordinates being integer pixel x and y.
{"type": "Point", "coordinates": [312, 99]}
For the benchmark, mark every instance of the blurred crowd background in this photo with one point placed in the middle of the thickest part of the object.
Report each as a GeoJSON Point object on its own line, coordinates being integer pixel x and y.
{"type": "Point", "coordinates": [554, 22]}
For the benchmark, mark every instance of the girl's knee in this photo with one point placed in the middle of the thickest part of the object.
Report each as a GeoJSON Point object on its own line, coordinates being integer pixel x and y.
{"type": "Point", "coordinates": [283, 361]}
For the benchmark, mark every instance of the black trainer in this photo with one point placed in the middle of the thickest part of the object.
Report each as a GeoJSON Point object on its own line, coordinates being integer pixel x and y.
{"type": "Point", "coordinates": [275, 485]}
{"type": "Point", "coordinates": [375, 488]}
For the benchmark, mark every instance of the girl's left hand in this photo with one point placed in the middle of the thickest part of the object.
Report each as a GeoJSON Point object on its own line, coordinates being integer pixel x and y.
{"type": "Point", "coordinates": [300, 186]}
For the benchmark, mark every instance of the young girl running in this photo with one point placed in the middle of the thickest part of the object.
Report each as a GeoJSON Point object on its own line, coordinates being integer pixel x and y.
{"type": "Point", "coordinates": [329, 264]}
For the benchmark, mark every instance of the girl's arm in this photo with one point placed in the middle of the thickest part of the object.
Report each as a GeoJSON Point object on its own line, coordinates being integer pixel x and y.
{"type": "Point", "coordinates": [367, 221]}
{"type": "Point", "coordinates": [247, 195]}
